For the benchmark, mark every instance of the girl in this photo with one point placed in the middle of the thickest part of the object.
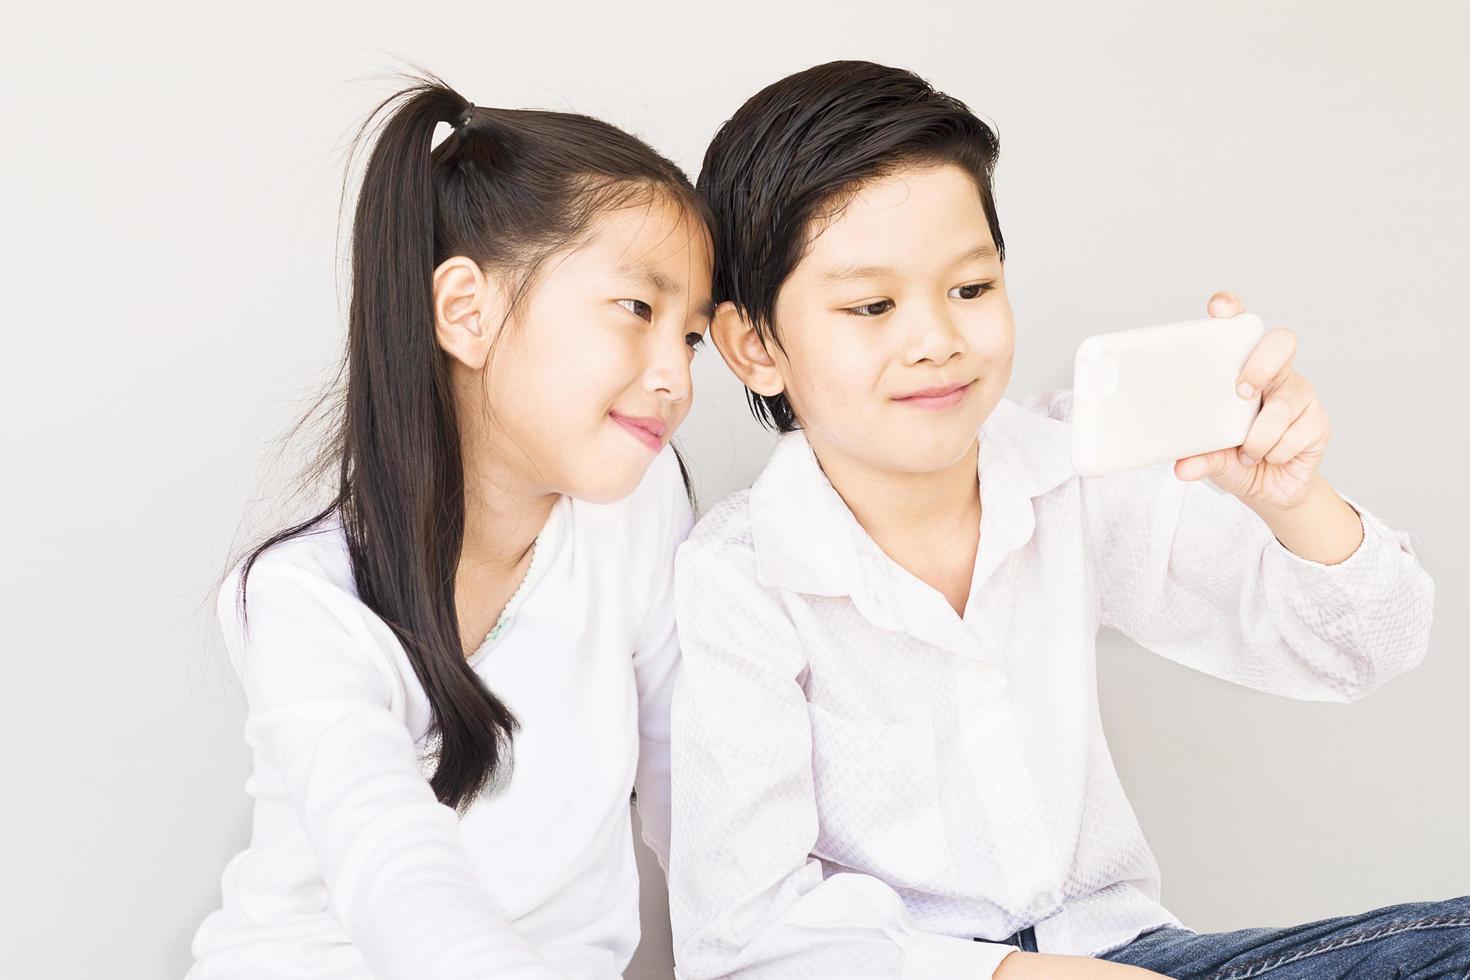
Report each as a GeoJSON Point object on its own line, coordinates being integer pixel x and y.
{"type": "Point", "coordinates": [457, 672]}
{"type": "Point", "coordinates": [887, 743]}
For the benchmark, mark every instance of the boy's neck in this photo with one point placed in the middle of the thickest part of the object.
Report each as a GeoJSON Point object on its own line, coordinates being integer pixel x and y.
{"type": "Point", "coordinates": [929, 523]}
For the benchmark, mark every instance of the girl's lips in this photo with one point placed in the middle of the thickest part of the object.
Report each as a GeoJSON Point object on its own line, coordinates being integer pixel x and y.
{"type": "Point", "coordinates": [937, 398]}
{"type": "Point", "coordinates": [649, 431]}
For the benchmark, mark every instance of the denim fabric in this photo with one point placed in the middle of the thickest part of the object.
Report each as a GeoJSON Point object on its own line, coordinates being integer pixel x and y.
{"type": "Point", "coordinates": [1417, 941]}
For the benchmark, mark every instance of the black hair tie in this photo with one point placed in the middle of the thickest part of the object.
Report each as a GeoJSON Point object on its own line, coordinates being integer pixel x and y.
{"type": "Point", "coordinates": [465, 117]}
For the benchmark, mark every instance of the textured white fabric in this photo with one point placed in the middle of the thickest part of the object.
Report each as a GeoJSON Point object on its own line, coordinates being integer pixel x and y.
{"type": "Point", "coordinates": [354, 870]}
{"type": "Point", "coordinates": [864, 782]}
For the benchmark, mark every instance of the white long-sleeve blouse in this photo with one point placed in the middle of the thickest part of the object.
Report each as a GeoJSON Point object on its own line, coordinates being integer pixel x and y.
{"type": "Point", "coordinates": [354, 870]}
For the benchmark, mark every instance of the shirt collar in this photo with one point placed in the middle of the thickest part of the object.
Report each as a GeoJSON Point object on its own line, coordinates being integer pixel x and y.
{"type": "Point", "coordinates": [807, 540]}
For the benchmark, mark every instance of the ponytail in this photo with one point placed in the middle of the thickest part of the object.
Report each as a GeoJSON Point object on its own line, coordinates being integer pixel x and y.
{"type": "Point", "coordinates": [405, 519]}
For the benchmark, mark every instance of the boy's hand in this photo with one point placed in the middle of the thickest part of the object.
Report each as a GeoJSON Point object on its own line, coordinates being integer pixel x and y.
{"type": "Point", "coordinates": [1275, 465]}
{"type": "Point", "coordinates": [1048, 966]}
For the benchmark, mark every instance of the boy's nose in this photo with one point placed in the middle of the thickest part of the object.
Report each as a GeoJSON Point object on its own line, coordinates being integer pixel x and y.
{"type": "Point", "coordinates": [935, 338]}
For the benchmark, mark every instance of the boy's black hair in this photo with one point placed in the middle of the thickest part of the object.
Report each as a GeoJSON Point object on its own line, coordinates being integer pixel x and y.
{"type": "Point", "coordinates": [797, 150]}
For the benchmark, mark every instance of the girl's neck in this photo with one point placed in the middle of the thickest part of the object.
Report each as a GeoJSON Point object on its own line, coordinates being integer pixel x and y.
{"type": "Point", "coordinates": [502, 517]}
{"type": "Point", "coordinates": [503, 514]}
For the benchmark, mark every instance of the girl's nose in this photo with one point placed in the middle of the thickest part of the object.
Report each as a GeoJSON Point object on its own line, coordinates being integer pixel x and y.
{"type": "Point", "coordinates": [668, 376]}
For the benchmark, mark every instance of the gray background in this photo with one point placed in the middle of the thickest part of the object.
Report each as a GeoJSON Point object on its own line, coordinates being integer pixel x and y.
{"type": "Point", "coordinates": [172, 304]}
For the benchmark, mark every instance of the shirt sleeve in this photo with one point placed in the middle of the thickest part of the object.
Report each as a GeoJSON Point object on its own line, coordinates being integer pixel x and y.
{"type": "Point", "coordinates": [1195, 575]}
{"type": "Point", "coordinates": [319, 710]}
{"type": "Point", "coordinates": [656, 662]}
{"type": "Point", "coordinates": [747, 899]}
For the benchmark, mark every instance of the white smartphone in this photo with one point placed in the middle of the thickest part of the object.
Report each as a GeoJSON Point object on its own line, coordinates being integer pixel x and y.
{"type": "Point", "coordinates": [1143, 396]}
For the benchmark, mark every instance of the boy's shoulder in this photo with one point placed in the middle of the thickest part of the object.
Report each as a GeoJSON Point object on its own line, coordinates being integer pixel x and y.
{"type": "Point", "coordinates": [725, 528]}
{"type": "Point", "coordinates": [779, 509]}
{"type": "Point", "coordinates": [720, 552]}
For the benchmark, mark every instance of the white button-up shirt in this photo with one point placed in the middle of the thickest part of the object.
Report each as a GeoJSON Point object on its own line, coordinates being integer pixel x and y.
{"type": "Point", "coordinates": [864, 782]}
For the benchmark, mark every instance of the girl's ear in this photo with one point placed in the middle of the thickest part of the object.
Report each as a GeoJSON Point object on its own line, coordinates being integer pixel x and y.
{"type": "Point", "coordinates": [740, 344]}
{"type": "Point", "coordinates": [466, 311]}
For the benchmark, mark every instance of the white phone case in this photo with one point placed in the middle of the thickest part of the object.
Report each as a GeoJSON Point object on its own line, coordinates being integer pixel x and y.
{"type": "Point", "coordinates": [1144, 396]}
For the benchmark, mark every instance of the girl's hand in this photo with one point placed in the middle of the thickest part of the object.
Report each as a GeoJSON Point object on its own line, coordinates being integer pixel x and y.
{"type": "Point", "coordinates": [1275, 465]}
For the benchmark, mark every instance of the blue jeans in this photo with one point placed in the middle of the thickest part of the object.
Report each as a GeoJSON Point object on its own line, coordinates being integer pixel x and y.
{"type": "Point", "coordinates": [1418, 941]}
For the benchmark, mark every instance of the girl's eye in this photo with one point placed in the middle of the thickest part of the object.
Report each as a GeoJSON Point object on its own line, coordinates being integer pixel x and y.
{"type": "Point", "coordinates": [637, 307]}
{"type": "Point", "coordinates": [872, 309]}
{"type": "Point", "coordinates": [694, 340]}
{"type": "Point", "coordinates": [973, 290]}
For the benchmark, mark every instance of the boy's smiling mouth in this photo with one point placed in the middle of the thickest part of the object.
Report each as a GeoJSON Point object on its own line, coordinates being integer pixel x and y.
{"type": "Point", "coordinates": [944, 396]}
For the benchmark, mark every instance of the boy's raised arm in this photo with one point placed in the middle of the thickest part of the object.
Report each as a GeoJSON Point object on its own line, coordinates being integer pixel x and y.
{"type": "Point", "coordinates": [1198, 577]}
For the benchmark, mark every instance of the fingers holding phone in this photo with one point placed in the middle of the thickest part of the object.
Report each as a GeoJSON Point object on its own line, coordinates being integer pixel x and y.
{"type": "Point", "coordinates": [1283, 449]}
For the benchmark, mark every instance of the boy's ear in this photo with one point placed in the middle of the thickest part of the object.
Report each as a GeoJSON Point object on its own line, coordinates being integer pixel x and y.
{"type": "Point", "coordinates": [467, 311]}
{"type": "Point", "coordinates": [740, 344]}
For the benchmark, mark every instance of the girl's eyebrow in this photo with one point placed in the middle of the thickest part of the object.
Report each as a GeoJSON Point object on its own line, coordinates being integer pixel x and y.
{"type": "Point", "coordinates": [656, 280]}
{"type": "Point", "coordinates": [848, 273]}
{"type": "Point", "coordinates": [665, 286]}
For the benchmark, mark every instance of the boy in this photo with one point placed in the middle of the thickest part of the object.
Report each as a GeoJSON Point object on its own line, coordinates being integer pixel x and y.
{"type": "Point", "coordinates": [888, 759]}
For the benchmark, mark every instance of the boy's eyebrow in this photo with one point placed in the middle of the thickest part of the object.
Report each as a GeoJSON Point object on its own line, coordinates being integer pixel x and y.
{"type": "Point", "coordinates": [851, 272]}
{"type": "Point", "coordinates": [662, 284]}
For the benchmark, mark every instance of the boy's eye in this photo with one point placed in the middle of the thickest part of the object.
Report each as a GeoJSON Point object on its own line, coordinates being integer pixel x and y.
{"type": "Point", "coordinates": [694, 340]}
{"type": "Point", "coordinates": [637, 307]}
{"type": "Point", "coordinates": [877, 308]}
{"type": "Point", "coordinates": [972, 291]}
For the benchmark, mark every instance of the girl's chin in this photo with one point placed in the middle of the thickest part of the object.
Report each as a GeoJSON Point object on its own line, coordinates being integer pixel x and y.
{"type": "Point", "coordinates": [618, 476]}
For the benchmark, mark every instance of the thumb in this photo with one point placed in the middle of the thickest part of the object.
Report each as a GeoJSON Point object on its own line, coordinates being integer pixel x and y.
{"type": "Point", "coordinates": [1225, 303]}
{"type": "Point", "coordinates": [1192, 468]}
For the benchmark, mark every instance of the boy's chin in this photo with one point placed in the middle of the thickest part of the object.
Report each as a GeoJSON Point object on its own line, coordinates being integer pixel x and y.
{"type": "Point", "coordinates": [934, 462]}
{"type": "Point", "coordinates": [910, 456]}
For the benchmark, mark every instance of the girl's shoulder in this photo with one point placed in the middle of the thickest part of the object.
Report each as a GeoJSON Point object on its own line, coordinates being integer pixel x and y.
{"type": "Point", "coordinates": [312, 568]}
{"type": "Point", "coordinates": [317, 552]}
{"type": "Point", "coordinates": [294, 626]}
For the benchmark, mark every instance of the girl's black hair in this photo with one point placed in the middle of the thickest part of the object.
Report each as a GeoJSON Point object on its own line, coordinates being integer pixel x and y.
{"type": "Point", "coordinates": [797, 151]}
{"type": "Point", "coordinates": [507, 188]}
